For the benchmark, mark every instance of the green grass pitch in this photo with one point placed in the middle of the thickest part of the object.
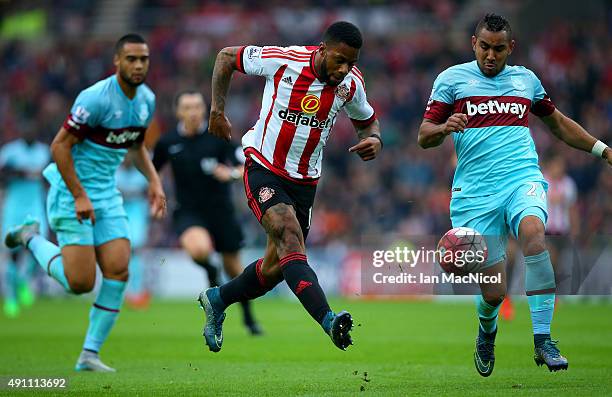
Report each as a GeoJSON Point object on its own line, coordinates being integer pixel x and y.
{"type": "Point", "coordinates": [401, 348]}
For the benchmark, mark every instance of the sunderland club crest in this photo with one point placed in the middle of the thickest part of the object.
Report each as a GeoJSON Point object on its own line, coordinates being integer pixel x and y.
{"type": "Point", "coordinates": [342, 92]}
{"type": "Point", "coordinates": [265, 194]}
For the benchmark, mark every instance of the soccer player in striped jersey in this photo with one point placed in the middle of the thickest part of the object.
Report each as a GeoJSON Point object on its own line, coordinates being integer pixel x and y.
{"type": "Point", "coordinates": [498, 186]}
{"type": "Point", "coordinates": [306, 87]}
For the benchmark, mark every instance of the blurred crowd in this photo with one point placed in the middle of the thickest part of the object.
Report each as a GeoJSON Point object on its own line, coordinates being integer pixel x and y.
{"type": "Point", "coordinates": [406, 45]}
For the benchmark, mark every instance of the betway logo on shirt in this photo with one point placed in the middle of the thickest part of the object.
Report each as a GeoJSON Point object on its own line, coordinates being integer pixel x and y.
{"type": "Point", "coordinates": [299, 118]}
{"type": "Point", "coordinates": [124, 137]}
{"type": "Point", "coordinates": [496, 107]}
{"type": "Point", "coordinates": [490, 111]}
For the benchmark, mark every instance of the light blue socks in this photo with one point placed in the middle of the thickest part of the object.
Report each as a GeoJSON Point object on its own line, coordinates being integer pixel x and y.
{"type": "Point", "coordinates": [104, 313]}
{"type": "Point", "coordinates": [49, 257]}
{"type": "Point", "coordinates": [540, 288]}
{"type": "Point", "coordinates": [487, 315]}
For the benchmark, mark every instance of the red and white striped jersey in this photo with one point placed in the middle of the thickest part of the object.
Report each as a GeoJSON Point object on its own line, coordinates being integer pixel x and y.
{"type": "Point", "coordinates": [298, 111]}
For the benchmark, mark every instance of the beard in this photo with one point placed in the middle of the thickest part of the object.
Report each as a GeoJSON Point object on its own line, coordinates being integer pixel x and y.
{"type": "Point", "coordinates": [491, 72]}
{"type": "Point", "coordinates": [131, 82]}
{"type": "Point", "coordinates": [323, 72]}
{"type": "Point", "coordinates": [324, 75]}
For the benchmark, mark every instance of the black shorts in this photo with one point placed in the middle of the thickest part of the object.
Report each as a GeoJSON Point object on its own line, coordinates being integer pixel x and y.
{"type": "Point", "coordinates": [265, 189]}
{"type": "Point", "coordinates": [222, 225]}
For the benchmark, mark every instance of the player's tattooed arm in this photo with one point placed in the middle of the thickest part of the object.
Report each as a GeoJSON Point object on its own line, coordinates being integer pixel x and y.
{"type": "Point", "coordinates": [142, 161]}
{"type": "Point", "coordinates": [61, 151]}
{"type": "Point", "coordinates": [370, 142]}
{"type": "Point", "coordinates": [573, 133]}
{"type": "Point", "coordinates": [225, 64]}
{"type": "Point", "coordinates": [432, 134]}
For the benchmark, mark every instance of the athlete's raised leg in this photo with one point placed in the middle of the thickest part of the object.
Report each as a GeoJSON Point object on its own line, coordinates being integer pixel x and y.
{"type": "Point", "coordinates": [79, 267]}
{"type": "Point", "coordinates": [283, 228]}
{"type": "Point", "coordinates": [73, 266]}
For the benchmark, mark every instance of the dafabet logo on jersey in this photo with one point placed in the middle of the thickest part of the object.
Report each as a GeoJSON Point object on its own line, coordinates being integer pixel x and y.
{"type": "Point", "coordinates": [299, 118]}
{"type": "Point", "coordinates": [310, 104]}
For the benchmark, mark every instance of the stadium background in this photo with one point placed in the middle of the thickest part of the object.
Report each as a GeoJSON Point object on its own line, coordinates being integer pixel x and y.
{"type": "Point", "coordinates": [49, 51]}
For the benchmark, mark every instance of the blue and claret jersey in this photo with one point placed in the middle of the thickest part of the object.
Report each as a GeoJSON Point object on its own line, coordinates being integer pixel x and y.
{"type": "Point", "coordinates": [496, 150]}
{"type": "Point", "coordinates": [108, 123]}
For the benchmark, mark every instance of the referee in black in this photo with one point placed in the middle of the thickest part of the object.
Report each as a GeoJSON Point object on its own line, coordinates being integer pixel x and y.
{"type": "Point", "coordinates": [203, 168]}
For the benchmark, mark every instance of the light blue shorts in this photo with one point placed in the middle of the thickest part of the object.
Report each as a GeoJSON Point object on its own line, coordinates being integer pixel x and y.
{"type": "Point", "coordinates": [495, 215]}
{"type": "Point", "coordinates": [111, 220]}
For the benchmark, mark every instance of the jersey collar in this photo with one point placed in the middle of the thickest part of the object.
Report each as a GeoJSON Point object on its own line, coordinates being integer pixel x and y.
{"type": "Point", "coordinates": [118, 88]}
{"type": "Point", "coordinates": [313, 69]}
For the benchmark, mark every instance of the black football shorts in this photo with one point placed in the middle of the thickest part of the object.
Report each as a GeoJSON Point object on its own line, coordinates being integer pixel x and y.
{"type": "Point", "coordinates": [265, 189]}
{"type": "Point", "coordinates": [221, 224]}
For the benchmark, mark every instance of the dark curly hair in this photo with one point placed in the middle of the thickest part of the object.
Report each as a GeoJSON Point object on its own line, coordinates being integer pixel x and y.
{"type": "Point", "coordinates": [343, 32]}
{"type": "Point", "coordinates": [494, 23]}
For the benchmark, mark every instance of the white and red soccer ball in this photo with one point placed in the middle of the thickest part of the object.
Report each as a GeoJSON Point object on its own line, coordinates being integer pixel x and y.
{"type": "Point", "coordinates": [462, 250]}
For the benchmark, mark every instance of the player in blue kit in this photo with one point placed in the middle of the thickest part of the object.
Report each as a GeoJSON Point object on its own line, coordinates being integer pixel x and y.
{"type": "Point", "coordinates": [84, 207]}
{"type": "Point", "coordinates": [498, 186]}
{"type": "Point", "coordinates": [21, 165]}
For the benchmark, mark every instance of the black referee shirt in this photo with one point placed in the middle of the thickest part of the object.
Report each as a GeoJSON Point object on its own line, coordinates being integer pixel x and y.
{"type": "Point", "coordinates": [193, 160]}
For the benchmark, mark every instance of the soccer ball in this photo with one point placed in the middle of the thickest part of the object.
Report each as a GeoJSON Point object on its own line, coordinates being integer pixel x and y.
{"type": "Point", "coordinates": [462, 250]}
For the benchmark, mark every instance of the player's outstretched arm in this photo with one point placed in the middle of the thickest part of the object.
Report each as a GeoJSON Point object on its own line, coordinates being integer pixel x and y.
{"type": "Point", "coordinates": [61, 151]}
{"type": "Point", "coordinates": [225, 64]}
{"type": "Point", "coordinates": [574, 135]}
{"type": "Point", "coordinates": [157, 197]}
{"type": "Point", "coordinates": [370, 142]}
{"type": "Point", "coordinates": [432, 134]}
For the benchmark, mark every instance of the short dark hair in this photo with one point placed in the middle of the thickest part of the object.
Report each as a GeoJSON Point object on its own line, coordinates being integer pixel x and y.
{"type": "Point", "coordinates": [128, 38]}
{"type": "Point", "coordinates": [494, 23]}
{"type": "Point", "coordinates": [180, 94]}
{"type": "Point", "coordinates": [343, 32]}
